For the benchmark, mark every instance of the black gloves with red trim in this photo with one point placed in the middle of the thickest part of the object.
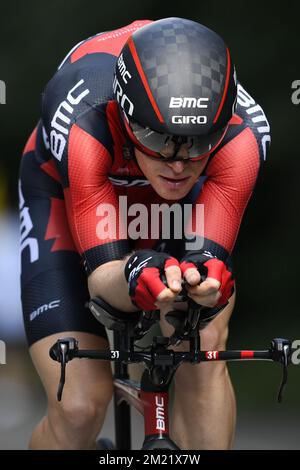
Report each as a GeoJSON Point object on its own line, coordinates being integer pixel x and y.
{"type": "Point", "coordinates": [145, 271]}
{"type": "Point", "coordinates": [210, 266]}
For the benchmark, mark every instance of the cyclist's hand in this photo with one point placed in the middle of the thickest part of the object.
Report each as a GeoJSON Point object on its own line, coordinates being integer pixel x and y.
{"type": "Point", "coordinates": [209, 282]}
{"type": "Point", "coordinates": [144, 272]}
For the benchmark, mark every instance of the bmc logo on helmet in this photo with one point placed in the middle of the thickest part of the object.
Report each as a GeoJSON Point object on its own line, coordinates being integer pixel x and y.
{"type": "Point", "coordinates": [179, 102]}
{"type": "Point", "coordinates": [123, 69]}
{"type": "Point", "coordinates": [189, 119]}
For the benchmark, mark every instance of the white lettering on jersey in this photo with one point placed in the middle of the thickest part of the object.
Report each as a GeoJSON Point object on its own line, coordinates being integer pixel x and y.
{"type": "Point", "coordinates": [44, 308]}
{"type": "Point", "coordinates": [61, 120]}
{"type": "Point", "coordinates": [256, 115]}
{"type": "Point", "coordinates": [25, 228]}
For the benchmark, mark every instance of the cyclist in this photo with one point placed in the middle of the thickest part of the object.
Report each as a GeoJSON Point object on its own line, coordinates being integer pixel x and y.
{"type": "Point", "coordinates": [151, 111]}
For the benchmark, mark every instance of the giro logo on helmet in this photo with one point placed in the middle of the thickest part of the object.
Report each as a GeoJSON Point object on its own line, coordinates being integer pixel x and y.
{"type": "Point", "coordinates": [123, 70]}
{"type": "Point", "coordinates": [123, 100]}
{"type": "Point", "coordinates": [189, 119]}
{"type": "Point", "coordinates": [179, 102]}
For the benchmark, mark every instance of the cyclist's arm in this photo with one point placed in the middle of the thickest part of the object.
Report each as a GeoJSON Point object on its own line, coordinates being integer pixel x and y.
{"type": "Point", "coordinates": [108, 281]}
{"type": "Point", "coordinates": [84, 172]}
{"type": "Point", "coordinates": [231, 178]}
{"type": "Point", "coordinates": [89, 187]}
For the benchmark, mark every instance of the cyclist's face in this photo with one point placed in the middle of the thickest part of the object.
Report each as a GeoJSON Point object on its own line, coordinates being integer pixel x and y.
{"type": "Point", "coordinates": [170, 180]}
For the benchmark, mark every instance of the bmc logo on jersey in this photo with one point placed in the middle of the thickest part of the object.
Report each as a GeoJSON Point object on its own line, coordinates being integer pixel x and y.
{"type": "Point", "coordinates": [61, 119]}
{"type": "Point", "coordinates": [44, 308]}
{"type": "Point", "coordinates": [188, 102]}
{"type": "Point", "coordinates": [256, 115]}
{"type": "Point", "coordinates": [27, 241]}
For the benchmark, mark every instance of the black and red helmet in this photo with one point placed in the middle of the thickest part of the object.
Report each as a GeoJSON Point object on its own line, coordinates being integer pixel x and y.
{"type": "Point", "coordinates": [175, 84]}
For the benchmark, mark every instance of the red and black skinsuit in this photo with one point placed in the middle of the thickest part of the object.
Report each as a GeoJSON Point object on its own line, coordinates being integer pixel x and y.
{"type": "Point", "coordinates": [74, 161]}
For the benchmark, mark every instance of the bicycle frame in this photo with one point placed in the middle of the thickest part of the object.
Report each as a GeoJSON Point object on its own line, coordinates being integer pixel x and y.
{"type": "Point", "coordinates": [152, 402]}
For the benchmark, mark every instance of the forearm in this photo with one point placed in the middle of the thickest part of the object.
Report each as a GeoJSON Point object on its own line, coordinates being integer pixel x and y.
{"type": "Point", "coordinates": [108, 282]}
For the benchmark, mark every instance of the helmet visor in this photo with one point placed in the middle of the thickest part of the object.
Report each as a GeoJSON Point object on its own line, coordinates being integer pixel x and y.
{"type": "Point", "coordinates": [166, 146]}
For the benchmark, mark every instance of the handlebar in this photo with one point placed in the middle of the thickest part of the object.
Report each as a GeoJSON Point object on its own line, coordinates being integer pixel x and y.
{"type": "Point", "coordinates": [160, 360]}
{"type": "Point", "coordinates": [66, 349]}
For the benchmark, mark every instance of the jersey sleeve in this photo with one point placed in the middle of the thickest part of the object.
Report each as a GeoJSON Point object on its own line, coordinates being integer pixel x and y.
{"type": "Point", "coordinates": [75, 121]}
{"type": "Point", "coordinates": [230, 179]}
{"type": "Point", "coordinates": [91, 202]}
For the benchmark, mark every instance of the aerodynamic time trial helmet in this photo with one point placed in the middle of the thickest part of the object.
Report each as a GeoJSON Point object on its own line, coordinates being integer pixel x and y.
{"type": "Point", "coordinates": [176, 88]}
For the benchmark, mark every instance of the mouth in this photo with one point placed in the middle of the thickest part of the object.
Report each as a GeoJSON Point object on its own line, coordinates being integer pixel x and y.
{"type": "Point", "coordinates": [175, 182]}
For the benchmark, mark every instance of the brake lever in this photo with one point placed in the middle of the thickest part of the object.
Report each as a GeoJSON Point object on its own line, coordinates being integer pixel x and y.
{"type": "Point", "coordinates": [281, 351]}
{"type": "Point", "coordinates": [63, 351]}
{"type": "Point", "coordinates": [63, 363]}
{"type": "Point", "coordinates": [285, 363]}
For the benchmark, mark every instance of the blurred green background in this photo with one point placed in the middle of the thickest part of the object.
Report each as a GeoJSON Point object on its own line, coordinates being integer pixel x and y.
{"type": "Point", "coordinates": [264, 41]}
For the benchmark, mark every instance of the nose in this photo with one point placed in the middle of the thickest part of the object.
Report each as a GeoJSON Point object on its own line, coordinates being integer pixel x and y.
{"type": "Point", "coordinates": [177, 167]}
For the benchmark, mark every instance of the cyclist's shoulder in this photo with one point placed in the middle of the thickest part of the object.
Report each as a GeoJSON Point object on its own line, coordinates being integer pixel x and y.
{"type": "Point", "coordinates": [248, 125]}
{"type": "Point", "coordinates": [108, 42]}
{"type": "Point", "coordinates": [249, 110]}
{"type": "Point", "coordinates": [85, 76]}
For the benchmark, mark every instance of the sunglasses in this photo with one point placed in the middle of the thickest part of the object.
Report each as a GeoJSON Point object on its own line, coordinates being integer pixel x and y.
{"type": "Point", "coordinates": [166, 147]}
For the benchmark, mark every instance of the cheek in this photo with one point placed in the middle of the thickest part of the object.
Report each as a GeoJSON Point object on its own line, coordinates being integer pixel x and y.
{"type": "Point", "coordinates": [149, 167]}
{"type": "Point", "coordinates": [198, 167]}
